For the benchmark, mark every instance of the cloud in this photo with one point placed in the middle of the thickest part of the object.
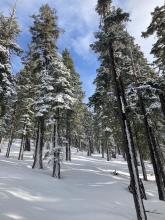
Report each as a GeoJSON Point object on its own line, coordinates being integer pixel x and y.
{"type": "Point", "coordinates": [81, 44]}
{"type": "Point", "coordinates": [79, 19]}
{"type": "Point", "coordinates": [140, 14]}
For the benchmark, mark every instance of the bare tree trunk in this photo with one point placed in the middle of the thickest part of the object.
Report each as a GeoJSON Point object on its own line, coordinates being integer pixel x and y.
{"type": "Point", "coordinates": [68, 150]}
{"type": "Point", "coordinates": [158, 157]}
{"type": "Point", "coordinates": [143, 167]}
{"type": "Point", "coordinates": [140, 154]}
{"type": "Point", "coordinates": [20, 157]}
{"type": "Point", "coordinates": [22, 147]}
{"type": "Point", "coordinates": [39, 144]}
{"type": "Point", "coordinates": [162, 101]}
{"type": "Point", "coordinates": [107, 149]}
{"type": "Point", "coordinates": [102, 151]}
{"type": "Point", "coordinates": [108, 155]}
{"type": "Point", "coordinates": [9, 144]}
{"type": "Point", "coordinates": [80, 143]}
{"type": "Point", "coordinates": [27, 143]}
{"type": "Point", "coordinates": [0, 142]}
{"type": "Point", "coordinates": [54, 139]}
{"type": "Point", "coordinates": [89, 148]}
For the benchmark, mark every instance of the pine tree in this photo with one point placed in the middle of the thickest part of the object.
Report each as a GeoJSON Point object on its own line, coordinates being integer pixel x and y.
{"type": "Point", "coordinates": [50, 79]}
{"type": "Point", "coordinates": [25, 109]}
{"type": "Point", "coordinates": [157, 27]}
{"type": "Point", "coordinates": [9, 31]}
{"type": "Point", "coordinates": [42, 49]}
{"type": "Point", "coordinates": [75, 129]}
{"type": "Point", "coordinates": [110, 45]}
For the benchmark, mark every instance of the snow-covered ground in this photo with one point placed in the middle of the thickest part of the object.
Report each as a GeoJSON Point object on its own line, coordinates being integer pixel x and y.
{"type": "Point", "coordinates": [87, 191]}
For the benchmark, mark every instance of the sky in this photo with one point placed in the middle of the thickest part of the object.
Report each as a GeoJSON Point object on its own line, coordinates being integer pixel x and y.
{"type": "Point", "coordinates": [79, 20]}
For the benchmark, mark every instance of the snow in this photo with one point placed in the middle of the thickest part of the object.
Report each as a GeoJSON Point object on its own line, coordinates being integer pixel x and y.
{"type": "Point", "coordinates": [88, 190]}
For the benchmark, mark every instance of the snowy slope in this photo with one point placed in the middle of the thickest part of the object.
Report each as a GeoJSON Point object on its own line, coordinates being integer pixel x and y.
{"type": "Point", "coordinates": [87, 191]}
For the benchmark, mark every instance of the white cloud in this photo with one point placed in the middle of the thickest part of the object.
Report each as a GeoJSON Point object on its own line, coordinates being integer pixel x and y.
{"type": "Point", "coordinates": [81, 44]}
{"type": "Point", "coordinates": [140, 14]}
{"type": "Point", "coordinates": [79, 19]}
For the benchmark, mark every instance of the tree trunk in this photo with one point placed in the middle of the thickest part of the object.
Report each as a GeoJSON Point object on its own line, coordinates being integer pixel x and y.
{"type": "Point", "coordinates": [143, 167]}
{"type": "Point", "coordinates": [107, 149]}
{"type": "Point", "coordinates": [0, 143]}
{"type": "Point", "coordinates": [89, 148]}
{"type": "Point", "coordinates": [158, 157]}
{"type": "Point", "coordinates": [39, 144]}
{"type": "Point", "coordinates": [20, 157]}
{"type": "Point", "coordinates": [9, 145]}
{"type": "Point", "coordinates": [13, 122]}
{"type": "Point", "coordinates": [55, 135]}
{"type": "Point", "coordinates": [23, 139]}
{"type": "Point", "coordinates": [108, 155]}
{"type": "Point", "coordinates": [102, 151]}
{"type": "Point", "coordinates": [27, 143]}
{"type": "Point", "coordinates": [118, 150]}
{"type": "Point", "coordinates": [128, 140]}
{"type": "Point", "coordinates": [162, 101]}
{"type": "Point", "coordinates": [68, 138]}
{"type": "Point", "coordinates": [80, 143]}
{"type": "Point", "coordinates": [140, 154]}
{"type": "Point", "coordinates": [150, 138]}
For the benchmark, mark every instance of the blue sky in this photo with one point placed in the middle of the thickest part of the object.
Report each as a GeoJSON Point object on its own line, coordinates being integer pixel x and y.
{"type": "Point", "coordinates": [79, 20]}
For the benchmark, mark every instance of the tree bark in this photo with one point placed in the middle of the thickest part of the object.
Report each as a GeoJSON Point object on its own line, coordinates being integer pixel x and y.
{"type": "Point", "coordinates": [39, 144]}
{"type": "Point", "coordinates": [140, 154]}
{"type": "Point", "coordinates": [20, 157]}
{"type": "Point", "coordinates": [68, 138]}
{"type": "Point", "coordinates": [158, 157]}
{"type": "Point", "coordinates": [143, 166]}
{"type": "Point", "coordinates": [9, 145]}
{"type": "Point", "coordinates": [0, 143]}
{"type": "Point", "coordinates": [162, 101]}
{"type": "Point", "coordinates": [107, 148]}
{"type": "Point", "coordinates": [27, 143]}
{"type": "Point", "coordinates": [89, 152]}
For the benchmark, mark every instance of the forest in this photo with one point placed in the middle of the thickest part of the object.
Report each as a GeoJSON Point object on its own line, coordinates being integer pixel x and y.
{"type": "Point", "coordinates": [47, 127]}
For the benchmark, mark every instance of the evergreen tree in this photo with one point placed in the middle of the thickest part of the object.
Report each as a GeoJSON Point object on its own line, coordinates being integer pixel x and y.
{"type": "Point", "coordinates": [8, 34]}
{"type": "Point", "coordinates": [110, 44]}
{"type": "Point", "coordinates": [51, 88]}
{"type": "Point", "coordinates": [157, 27]}
{"type": "Point", "coordinates": [77, 115]}
{"type": "Point", "coordinates": [9, 31]}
